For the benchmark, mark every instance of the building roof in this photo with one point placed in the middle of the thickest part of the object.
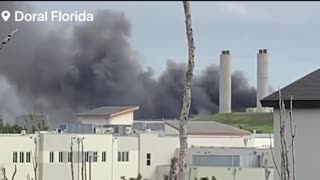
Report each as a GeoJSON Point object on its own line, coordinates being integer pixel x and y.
{"type": "Point", "coordinates": [109, 111]}
{"type": "Point", "coordinates": [305, 93]}
{"type": "Point", "coordinates": [209, 128]}
{"type": "Point", "coordinates": [154, 126]}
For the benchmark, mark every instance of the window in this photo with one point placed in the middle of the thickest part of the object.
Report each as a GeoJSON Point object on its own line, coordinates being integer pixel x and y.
{"type": "Point", "coordinates": [21, 157]}
{"type": "Point", "coordinates": [119, 156]}
{"type": "Point", "coordinates": [69, 156]}
{"type": "Point", "coordinates": [216, 160]}
{"type": "Point", "coordinates": [95, 156]}
{"type": "Point", "coordinates": [15, 157]}
{"type": "Point", "coordinates": [86, 156]}
{"type": "Point", "coordinates": [104, 156]}
{"type": "Point", "coordinates": [60, 156]}
{"type": "Point", "coordinates": [123, 156]}
{"type": "Point", "coordinates": [51, 157]}
{"type": "Point", "coordinates": [148, 159]}
{"type": "Point", "coordinates": [28, 157]}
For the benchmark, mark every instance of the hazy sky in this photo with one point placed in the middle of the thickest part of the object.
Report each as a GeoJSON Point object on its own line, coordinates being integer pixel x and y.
{"type": "Point", "coordinates": [289, 30]}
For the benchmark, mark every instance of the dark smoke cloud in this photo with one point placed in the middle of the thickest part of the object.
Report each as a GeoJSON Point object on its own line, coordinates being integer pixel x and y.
{"type": "Point", "coordinates": [94, 65]}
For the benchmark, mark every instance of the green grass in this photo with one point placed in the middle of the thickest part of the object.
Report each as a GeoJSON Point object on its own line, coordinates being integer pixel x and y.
{"type": "Point", "coordinates": [262, 122]}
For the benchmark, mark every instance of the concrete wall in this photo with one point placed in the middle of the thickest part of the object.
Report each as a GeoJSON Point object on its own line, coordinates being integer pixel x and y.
{"type": "Point", "coordinates": [129, 168]}
{"type": "Point", "coordinates": [247, 156]}
{"type": "Point", "coordinates": [306, 145]}
{"type": "Point", "coordinates": [61, 143]}
{"type": "Point", "coordinates": [121, 119]}
{"type": "Point", "coordinates": [169, 130]}
{"type": "Point", "coordinates": [262, 142]}
{"type": "Point", "coordinates": [16, 143]}
{"type": "Point", "coordinates": [162, 149]}
{"type": "Point", "coordinates": [221, 173]}
{"type": "Point", "coordinates": [219, 141]}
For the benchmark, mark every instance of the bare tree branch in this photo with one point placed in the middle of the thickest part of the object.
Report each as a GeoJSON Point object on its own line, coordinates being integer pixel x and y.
{"type": "Point", "coordinates": [14, 173]}
{"type": "Point", "coordinates": [4, 173]}
{"type": "Point", "coordinates": [71, 163]}
{"type": "Point", "coordinates": [273, 158]}
{"type": "Point", "coordinates": [285, 149]}
{"type": "Point", "coordinates": [7, 39]}
{"type": "Point", "coordinates": [293, 135]}
{"type": "Point", "coordinates": [35, 160]}
{"type": "Point", "coordinates": [3, 170]}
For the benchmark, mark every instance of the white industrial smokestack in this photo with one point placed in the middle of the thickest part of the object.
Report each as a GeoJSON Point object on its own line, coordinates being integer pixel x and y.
{"type": "Point", "coordinates": [225, 82]}
{"type": "Point", "coordinates": [262, 76]}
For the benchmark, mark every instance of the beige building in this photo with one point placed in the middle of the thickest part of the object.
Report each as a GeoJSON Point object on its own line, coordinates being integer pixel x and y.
{"type": "Point", "coordinates": [99, 153]}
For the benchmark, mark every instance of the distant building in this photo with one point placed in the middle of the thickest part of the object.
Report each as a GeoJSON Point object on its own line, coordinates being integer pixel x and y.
{"type": "Point", "coordinates": [144, 149]}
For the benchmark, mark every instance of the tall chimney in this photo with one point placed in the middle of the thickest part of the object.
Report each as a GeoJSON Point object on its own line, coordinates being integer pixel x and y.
{"type": "Point", "coordinates": [262, 76]}
{"type": "Point", "coordinates": [225, 82]}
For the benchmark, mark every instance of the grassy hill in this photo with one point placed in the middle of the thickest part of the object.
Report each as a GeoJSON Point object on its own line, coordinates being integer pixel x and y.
{"type": "Point", "coordinates": [262, 122]}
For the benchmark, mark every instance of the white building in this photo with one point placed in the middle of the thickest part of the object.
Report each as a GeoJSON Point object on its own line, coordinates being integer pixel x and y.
{"type": "Point", "coordinates": [102, 154]}
{"type": "Point", "coordinates": [306, 112]}
{"type": "Point", "coordinates": [225, 163]}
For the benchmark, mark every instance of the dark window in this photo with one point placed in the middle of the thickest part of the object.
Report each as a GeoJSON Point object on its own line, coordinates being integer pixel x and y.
{"type": "Point", "coordinates": [119, 156]}
{"type": "Point", "coordinates": [123, 156]}
{"type": "Point", "coordinates": [104, 156]}
{"type": "Point", "coordinates": [95, 156]}
{"type": "Point", "coordinates": [86, 155]}
{"type": "Point", "coordinates": [51, 157]}
{"type": "Point", "coordinates": [127, 155]}
{"type": "Point", "coordinates": [148, 159]}
{"type": "Point", "coordinates": [60, 157]}
{"type": "Point", "coordinates": [28, 157]}
{"type": "Point", "coordinates": [21, 157]}
{"type": "Point", "coordinates": [216, 160]}
{"type": "Point", "coordinates": [15, 157]}
{"type": "Point", "coordinates": [69, 156]}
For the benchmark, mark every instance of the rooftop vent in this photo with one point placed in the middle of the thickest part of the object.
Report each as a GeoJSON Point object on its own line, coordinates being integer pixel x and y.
{"type": "Point", "coordinates": [263, 51]}
{"type": "Point", "coordinates": [225, 52]}
{"type": "Point", "coordinates": [23, 132]}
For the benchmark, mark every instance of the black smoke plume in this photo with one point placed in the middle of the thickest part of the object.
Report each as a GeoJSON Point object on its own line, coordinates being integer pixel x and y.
{"type": "Point", "coordinates": [93, 64]}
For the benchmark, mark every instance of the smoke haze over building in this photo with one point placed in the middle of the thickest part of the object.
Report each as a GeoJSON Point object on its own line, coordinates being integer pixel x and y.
{"type": "Point", "coordinates": [67, 70]}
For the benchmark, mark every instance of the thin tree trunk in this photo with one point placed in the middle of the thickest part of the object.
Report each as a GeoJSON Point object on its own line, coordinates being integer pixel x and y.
{"type": "Point", "coordinates": [35, 160]}
{"type": "Point", "coordinates": [15, 172]}
{"type": "Point", "coordinates": [3, 170]}
{"type": "Point", "coordinates": [82, 162]}
{"type": "Point", "coordinates": [184, 115]}
{"type": "Point", "coordinates": [71, 156]}
{"type": "Point", "coordinates": [85, 168]}
{"type": "Point", "coordinates": [293, 135]}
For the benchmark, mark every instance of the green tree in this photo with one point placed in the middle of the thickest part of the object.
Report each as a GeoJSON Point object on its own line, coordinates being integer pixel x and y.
{"type": "Point", "coordinates": [9, 129]}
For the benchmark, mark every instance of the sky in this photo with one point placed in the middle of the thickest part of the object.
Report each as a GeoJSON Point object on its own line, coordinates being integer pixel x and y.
{"type": "Point", "coordinates": [289, 30]}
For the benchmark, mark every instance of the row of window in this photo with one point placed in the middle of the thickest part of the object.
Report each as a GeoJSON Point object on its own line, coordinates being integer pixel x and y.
{"type": "Point", "coordinates": [122, 157]}
{"type": "Point", "coordinates": [93, 155]}
{"type": "Point", "coordinates": [24, 157]}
